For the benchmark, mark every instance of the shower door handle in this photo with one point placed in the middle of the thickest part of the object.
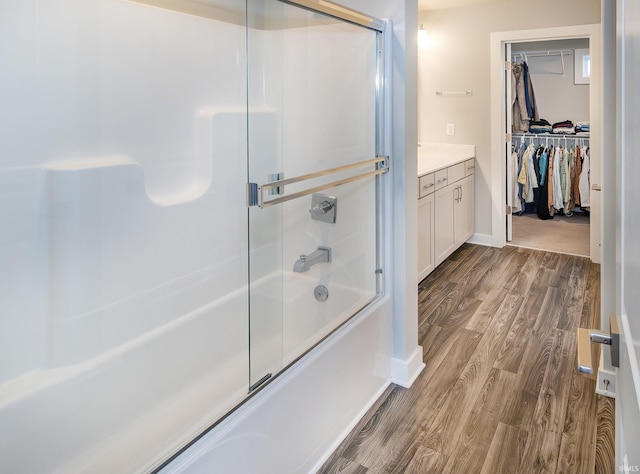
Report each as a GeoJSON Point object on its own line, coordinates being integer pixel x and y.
{"type": "Point", "coordinates": [256, 192]}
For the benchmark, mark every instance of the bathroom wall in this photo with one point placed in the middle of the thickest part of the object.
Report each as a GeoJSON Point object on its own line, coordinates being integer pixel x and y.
{"type": "Point", "coordinates": [456, 58]}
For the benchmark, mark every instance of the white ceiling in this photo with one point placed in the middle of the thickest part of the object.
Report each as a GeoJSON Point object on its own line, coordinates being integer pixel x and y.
{"type": "Point", "coordinates": [439, 4]}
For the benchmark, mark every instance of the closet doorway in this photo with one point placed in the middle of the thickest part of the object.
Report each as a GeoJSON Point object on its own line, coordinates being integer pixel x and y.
{"type": "Point", "coordinates": [548, 170]}
{"type": "Point", "coordinates": [502, 44]}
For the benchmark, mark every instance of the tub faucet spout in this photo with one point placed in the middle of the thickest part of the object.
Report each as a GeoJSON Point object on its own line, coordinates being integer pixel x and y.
{"type": "Point", "coordinates": [305, 262]}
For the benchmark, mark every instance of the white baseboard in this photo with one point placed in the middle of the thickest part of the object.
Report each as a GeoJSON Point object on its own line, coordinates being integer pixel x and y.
{"type": "Point", "coordinates": [484, 239]}
{"type": "Point", "coordinates": [405, 372]}
{"type": "Point", "coordinates": [602, 387]}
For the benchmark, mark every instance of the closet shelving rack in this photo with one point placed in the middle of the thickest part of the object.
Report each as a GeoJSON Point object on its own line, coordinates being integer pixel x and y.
{"type": "Point", "coordinates": [524, 55]}
{"type": "Point", "coordinates": [549, 135]}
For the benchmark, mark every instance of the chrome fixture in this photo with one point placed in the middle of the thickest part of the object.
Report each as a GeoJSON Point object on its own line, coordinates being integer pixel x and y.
{"type": "Point", "coordinates": [276, 177]}
{"type": "Point", "coordinates": [321, 293]}
{"type": "Point", "coordinates": [305, 262]}
{"type": "Point", "coordinates": [587, 336]}
{"type": "Point", "coordinates": [323, 208]}
{"type": "Point", "coordinates": [256, 193]}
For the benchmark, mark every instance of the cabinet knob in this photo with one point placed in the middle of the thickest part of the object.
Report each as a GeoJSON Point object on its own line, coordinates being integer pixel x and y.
{"type": "Point", "coordinates": [427, 186]}
{"type": "Point", "coordinates": [442, 180]}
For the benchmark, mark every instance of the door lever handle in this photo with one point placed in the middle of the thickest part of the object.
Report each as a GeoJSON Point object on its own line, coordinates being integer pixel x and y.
{"type": "Point", "coordinates": [587, 336]}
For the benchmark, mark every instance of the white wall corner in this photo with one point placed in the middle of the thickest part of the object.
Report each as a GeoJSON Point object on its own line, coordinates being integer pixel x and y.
{"type": "Point", "coordinates": [405, 372]}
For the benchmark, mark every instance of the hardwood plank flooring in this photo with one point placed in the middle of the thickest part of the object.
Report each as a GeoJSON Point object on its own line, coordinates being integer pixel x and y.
{"type": "Point", "coordinates": [500, 392]}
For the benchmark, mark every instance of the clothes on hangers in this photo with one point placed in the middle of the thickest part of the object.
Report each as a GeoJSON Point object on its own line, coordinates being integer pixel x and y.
{"type": "Point", "coordinates": [549, 179]}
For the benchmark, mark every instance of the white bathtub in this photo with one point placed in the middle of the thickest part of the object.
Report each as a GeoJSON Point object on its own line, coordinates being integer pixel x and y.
{"type": "Point", "coordinates": [115, 412]}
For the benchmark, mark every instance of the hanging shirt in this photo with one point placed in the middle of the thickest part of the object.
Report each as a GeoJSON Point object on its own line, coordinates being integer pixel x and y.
{"type": "Point", "coordinates": [544, 159]}
{"type": "Point", "coordinates": [520, 116]}
{"type": "Point", "coordinates": [532, 108]}
{"type": "Point", "coordinates": [565, 178]}
{"type": "Point", "coordinates": [558, 202]}
{"type": "Point", "coordinates": [532, 179]}
{"type": "Point", "coordinates": [570, 204]}
{"type": "Point", "coordinates": [542, 203]}
{"type": "Point", "coordinates": [575, 187]}
{"type": "Point", "coordinates": [516, 205]}
{"type": "Point", "coordinates": [522, 174]}
{"type": "Point", "coordinates": [550, 181]}
{"type": "Point", "coordinates": [585, 187]}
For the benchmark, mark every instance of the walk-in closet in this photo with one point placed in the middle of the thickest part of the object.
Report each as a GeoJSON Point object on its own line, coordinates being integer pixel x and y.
{"type": "Point", "coordinates": [548, 168]}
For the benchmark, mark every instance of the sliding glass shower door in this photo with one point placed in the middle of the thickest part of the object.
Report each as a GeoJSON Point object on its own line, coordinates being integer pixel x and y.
{"type": "Point", "coordinates": [123, 243]}
{"type": "Point", "coordinates": [141, 299]}
{"type": "Point", "coordinates": [313, 121]}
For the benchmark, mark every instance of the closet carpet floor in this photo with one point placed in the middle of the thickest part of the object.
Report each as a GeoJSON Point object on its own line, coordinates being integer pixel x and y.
{"type": "Point", "coordinates": [562, 234]}
{"type": "Point", "coordinates": [500, 392]}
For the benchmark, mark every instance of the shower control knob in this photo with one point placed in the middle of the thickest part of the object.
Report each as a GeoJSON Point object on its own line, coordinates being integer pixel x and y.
{"type": "Point", "coordinates": [322, 207]}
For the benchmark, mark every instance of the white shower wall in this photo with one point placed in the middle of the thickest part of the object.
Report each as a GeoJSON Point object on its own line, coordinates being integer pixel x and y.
{"type": "Point", "coordinates": [110, 183]}
{"type": "Point", "coordinates": [123, 256]}
{"type": "Point", "coordinates": [320, 79]}
{"type": "Point", "coordinates": [125, 243]}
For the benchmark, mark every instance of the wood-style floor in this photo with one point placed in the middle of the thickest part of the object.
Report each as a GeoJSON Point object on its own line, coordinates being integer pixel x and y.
{"type": "Point", "coordinates": [500, 392]}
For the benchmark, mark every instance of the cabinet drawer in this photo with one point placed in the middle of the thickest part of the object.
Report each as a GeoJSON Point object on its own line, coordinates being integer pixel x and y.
{"type": "Point", "coordinates": [426, 184]}
{"type": "Point", "coordinates": [469, 167]}
{"type": "Point", "coordinates": [441, 179]}
{"type": "Point", "coordinates": [455, 173]}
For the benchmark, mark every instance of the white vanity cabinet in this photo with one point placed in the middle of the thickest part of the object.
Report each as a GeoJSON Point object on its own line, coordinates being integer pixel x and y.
{"type": "Point", "coordinates": [445, 211]}
{"type": "Point", "coordinates": [426, 249]}
{"type": "Point", "coordinates": [454, 210]}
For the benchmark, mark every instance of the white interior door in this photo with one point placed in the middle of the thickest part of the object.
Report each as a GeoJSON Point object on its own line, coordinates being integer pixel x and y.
{"type": "Point", "coordinates": [628, 230]}
{"type": "Point", "coordinates": [507, 147]}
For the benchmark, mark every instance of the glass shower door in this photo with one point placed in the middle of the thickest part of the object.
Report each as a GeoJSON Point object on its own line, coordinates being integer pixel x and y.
{"type": "Point", "coordinates": [123, 299]}
{"type": "Point", "coordinates": [314, 256]}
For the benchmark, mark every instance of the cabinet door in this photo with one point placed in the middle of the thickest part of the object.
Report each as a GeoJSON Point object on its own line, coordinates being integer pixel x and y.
{"type": "Point", "coordinates": [444, 222]}
{"type": "Point", "coordinates": [464, 210]}
{"type": "Point", "coordinates": [426, 255]}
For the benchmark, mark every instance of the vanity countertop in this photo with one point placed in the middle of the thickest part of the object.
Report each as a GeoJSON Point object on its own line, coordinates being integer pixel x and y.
{"type": "Point", "coordinates": [436, 156]}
